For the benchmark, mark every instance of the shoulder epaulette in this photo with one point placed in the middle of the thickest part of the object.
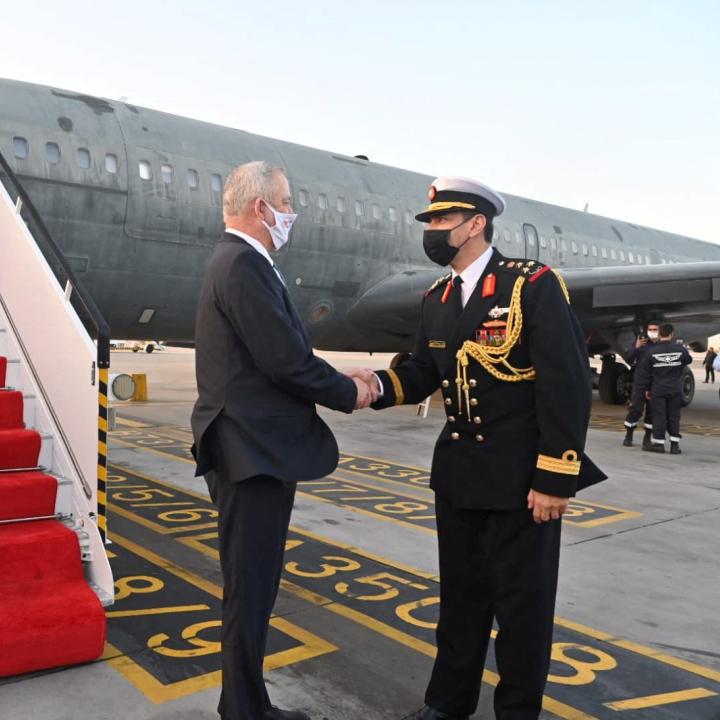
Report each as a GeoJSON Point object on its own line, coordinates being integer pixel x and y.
{"type": "Point", "coordinates": [437, 284]}
{"type": "Point", "coordinates": [532, 270]}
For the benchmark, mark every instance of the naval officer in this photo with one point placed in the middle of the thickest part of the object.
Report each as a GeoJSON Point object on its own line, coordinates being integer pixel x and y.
{"type": "Point", "coordinates": [498, 336]}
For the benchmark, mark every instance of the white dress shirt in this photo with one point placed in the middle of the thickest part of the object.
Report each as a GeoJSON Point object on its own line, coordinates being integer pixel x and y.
{"type": "Point", "coordinates": [471, 274]}
{"type": "Point", "coordinates": [257, 245]}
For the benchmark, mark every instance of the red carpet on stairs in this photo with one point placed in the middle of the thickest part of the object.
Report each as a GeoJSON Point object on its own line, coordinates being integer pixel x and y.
{"type": "Point", "coordinates": [3, 370]}
{"type": "Point", "coordinates": [49, 615]}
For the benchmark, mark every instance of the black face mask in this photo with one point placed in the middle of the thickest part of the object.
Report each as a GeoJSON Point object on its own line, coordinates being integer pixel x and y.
{"type": "Point", "coordinates": [435, 244]}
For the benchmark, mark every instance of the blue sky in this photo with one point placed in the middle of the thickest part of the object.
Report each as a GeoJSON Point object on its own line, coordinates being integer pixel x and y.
{"type": "Point", "coordinates": [615, 104]}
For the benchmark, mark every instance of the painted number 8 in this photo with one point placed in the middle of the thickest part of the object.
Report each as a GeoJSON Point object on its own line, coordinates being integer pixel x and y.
{"type": "Point", "coordinates": [584, 670]}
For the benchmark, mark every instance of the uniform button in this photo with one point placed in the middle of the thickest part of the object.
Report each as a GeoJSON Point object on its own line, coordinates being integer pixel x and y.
{"type": "Point", "coordinates": [448, 401]}
{"type": "Point", "coordinates": [473, 383]}
{"type": "Point", "coordinates": [446, 383]}
{"type": "Point", "coordinates": [451, 418]}
{"type": "Point", "coordinates": [455, 436]}
{"type": "Point", "coordinates": [477, 419]}
{"type": "Point", "coordinates": [473, 401]}
{"type": "Point", "coordinates": [479, 438]}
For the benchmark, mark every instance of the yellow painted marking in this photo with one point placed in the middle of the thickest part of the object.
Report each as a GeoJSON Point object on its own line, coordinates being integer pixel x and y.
{"type": "Point", "coordinates": [156, 527]}
{"type": "Point", "coordinates": [372, 497]}
{"type": "Point", "coordinates": [102, 448]}
{"type": "Point", "coordinates": [415, 492]}
{"type": "Point", "coordinates": [131, 423]}
{"type": "Point", "coordinates": [102, 424]}
{"type": "Point", "coordinates": [649, 701]}
{"type": "Point", "coordinates": [312, 645]}
{"type": "Point", "coordinates": [691, 667]}
{"type": "Point", "coordinates": [101, 497]}
{"type": "Point", "coordinates": [155, 611]}
{"type": "Point", "coordinates": [161, 504]}
{"type": "Point", "coordinates": [195, 542]}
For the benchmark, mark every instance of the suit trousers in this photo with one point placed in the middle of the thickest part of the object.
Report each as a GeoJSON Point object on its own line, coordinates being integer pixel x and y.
{"type": "Point", "coordinates": [666, 417]}
{"type": "Point", "coordinates": [494, 564]}
{"type": "Point", "coordinates": [253, 520]}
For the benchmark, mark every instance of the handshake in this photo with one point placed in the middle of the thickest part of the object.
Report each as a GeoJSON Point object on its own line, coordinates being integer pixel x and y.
{"type": "Point", "coordinates": [368, 387]}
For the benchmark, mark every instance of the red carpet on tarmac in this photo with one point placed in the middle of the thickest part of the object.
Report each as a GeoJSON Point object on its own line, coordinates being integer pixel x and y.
{"type": "Point", "coordinates": [49, 615]}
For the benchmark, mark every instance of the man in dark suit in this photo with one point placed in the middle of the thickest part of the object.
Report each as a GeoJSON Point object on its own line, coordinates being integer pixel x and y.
{"type": "Point", "coordinates": [499, 338]}
{"type": "Point", "coordinates": [255, 425]}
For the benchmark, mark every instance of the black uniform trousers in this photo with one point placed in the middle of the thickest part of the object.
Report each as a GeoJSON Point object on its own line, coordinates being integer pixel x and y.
{"type": "Point", "coordinates": [494, 563]}
{"type": "Point", "coordinates": [638, 403]}
{"type": "Point", "coordinates": [666, 417]}
{"type": "Point", "coordinates": [253, 520]}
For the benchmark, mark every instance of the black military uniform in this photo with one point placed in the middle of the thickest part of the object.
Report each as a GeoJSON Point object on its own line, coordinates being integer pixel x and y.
{"type": "Point", "coordinates": [516, 388]}
{"type": "Point", "coordinates": [661, 371]}
{"type": "Point", "coordinates": [639, 404]}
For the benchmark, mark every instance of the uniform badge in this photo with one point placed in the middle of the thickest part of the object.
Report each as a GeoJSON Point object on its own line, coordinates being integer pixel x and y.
{"type": "Point", "coordinates": [437, 344]}
{"type": "Point", "coordinates": [488, 287]}
{"type": "Point", "coordinates": [446, 292]}
{"type": "Point", "coordinates": [498, 312]}
{"type": "Point", "coordinates": [491, 333]}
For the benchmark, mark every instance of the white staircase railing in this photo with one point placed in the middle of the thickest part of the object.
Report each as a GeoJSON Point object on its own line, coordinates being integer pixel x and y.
{"type": "Point", "coordinates": [58, 362]}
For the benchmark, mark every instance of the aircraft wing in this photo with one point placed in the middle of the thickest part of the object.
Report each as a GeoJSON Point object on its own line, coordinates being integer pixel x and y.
{"type": "Point", "coordinates": [607, 300]}
{"type": "Point", "coordinates": [620, 297]}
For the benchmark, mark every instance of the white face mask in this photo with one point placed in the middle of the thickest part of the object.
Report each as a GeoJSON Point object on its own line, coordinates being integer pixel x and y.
{"type": "Point", "coordinates": [653, 335]}
{"type": "Point", "coordinates": [280, 231]}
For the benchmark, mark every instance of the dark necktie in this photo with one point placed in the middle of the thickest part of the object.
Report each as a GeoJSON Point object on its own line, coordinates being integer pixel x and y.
{"type": "Point", "coordinates": [457, 294]}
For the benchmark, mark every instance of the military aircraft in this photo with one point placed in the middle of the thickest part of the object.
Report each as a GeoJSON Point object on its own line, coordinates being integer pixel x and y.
{"type": "Point", "coordinates": [134, 198]}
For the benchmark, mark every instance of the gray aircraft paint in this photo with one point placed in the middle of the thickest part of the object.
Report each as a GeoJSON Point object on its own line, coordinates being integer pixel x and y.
{"type": "Point", "coordinates": [357, 277]}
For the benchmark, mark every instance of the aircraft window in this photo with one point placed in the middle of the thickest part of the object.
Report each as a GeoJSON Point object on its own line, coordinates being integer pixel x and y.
{"type": "Point", "coordinates": [563, 245]}
{"type": "Point", "coordinates": [631, 258]}
{"type": "Point", "coordinates": [622, 255]}
{"type": "Point", "coordinates": [393, 214]}
{"type": "Point", "coordinates": [603, 252]}
{"type": "Point", "coordinates": [83, 158]}
{"type": "Point", "coordinates": [543, 241]}
{"type": "Point", "coordinates": [21, 147]}
{"type": "Point", "coordinates": [612, 254]}
{"type": "Point", "coordinates": [303, 198]}
{"type": "Point", "coordinates": [340, 204]}
{"type": "Point", "coordinates": [647, 260]}
{"type": "Point", "coordinates": [193, 179]}
{"type": "Point", "coordinates": [166, 172]}
{"type": "Point", "coordinates": [376, 211]}
{"type": "Point", "coordinates": [518, 237]}
{"type": "Point", "coordinates": [574, 247]}
{"type": "Point", "coordinates": [145, 170]}
{"type": "Point", "coordinates": [52, 153]}
{"type": "Point", "coordinates": [216, 182]}
{"type": "Point", "coordinates": [111, 163]}
{"type": "Point", "coordinates": [322, 201]}
{"type": "Point", "coordinates": [408, 217]}
{"type": "Point", "coordinates": [359, 208]}
{"type": "Point", "coordinates": [584, 249]}
{"type": "Point", "coordinates": [594, 251]}
{"type": "Point", "coordinates": [507, 236]}
{"type": "Point", "coordinates": [553, 243]}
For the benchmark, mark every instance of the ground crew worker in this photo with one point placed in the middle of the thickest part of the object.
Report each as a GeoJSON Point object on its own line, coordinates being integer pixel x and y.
{"type": "Point", "coordinates": [639, 402]}
{"type": "Point", "coordinates": [499, 337]}
{"type": "Point", "coordinates": [661, 371]}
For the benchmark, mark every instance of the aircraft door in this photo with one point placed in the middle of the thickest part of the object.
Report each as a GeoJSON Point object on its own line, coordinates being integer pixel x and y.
{"type": "Point", "coordinates": [531, 242]}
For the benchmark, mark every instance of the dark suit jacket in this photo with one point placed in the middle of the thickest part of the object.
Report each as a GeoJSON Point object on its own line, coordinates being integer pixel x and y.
{"type": "Point", "coordinates": [258, 379]}
{"type": "Point", "coordinates": [515, 434]}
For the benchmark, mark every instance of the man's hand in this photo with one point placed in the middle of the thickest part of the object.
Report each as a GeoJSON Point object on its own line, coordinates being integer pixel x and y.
{"type": "Point", "coordinates": [365, 374]}
{"type": "Point", "coordinates": [546, 507]}
{"type": "Point", "coordinates": [366, 394]}
{"type": "Point", "coordinates": [640, 342]}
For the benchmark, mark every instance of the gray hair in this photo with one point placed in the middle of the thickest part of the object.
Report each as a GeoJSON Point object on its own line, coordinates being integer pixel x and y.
{"type": "Point", "coordinates": [246, 183]}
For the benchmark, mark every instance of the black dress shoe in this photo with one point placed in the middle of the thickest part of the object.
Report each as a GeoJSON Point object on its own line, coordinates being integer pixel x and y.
{"type": "Point", "coordinates": [275, 713]}
{"type": "Point", "coordinates": [428, 713]}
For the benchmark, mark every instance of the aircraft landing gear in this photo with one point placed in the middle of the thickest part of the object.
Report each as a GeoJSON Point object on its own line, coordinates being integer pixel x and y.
{"type": "Point", "coordinates": [615, 385]}
{"type": "Point", "coordinates": [688, 386]}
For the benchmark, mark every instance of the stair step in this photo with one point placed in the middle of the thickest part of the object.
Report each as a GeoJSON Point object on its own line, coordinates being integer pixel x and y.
{"type": "Point", "coordinates": [27, 495]}
{"type": "Point", "coordinates": [38, 551]}
{"type": "Point", "coordinates": [11, 409]}
{"type": "Point", "coordinates": [45, 625]}
{"type": "Point", "coordinates": [19, 448]}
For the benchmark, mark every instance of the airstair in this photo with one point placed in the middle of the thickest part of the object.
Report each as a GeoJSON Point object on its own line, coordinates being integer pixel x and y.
{"type": "Point", "coordinates": [55, 578]}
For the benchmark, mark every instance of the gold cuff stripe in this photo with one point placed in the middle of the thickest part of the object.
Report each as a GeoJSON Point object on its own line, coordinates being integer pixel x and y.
{"type": "Point", "coordinates": [434, 207]}
{"type": "Point", "coordinates": [568, 464]}
{"type": "Point", "coordinates": [397, 387]}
